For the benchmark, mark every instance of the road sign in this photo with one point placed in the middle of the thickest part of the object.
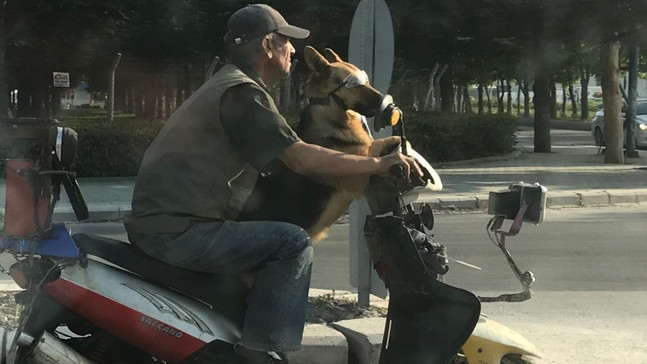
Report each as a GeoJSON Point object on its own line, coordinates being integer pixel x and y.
{"type": "Point", "coordinates": [61, 79]}
{"type": "Point", "coordinates": [370, 46]}
{"type": "Point", "coordinates": [371, 49]}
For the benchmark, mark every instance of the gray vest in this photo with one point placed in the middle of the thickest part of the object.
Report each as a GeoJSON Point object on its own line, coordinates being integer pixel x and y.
{"type": "Point", "coordinates": [191, 172]}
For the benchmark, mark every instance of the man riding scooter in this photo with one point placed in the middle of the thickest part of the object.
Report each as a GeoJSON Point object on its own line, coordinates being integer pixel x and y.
{"type": "Point", "coordinates": [197, 174]}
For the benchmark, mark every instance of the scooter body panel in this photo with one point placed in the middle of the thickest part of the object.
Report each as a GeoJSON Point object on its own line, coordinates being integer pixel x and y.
{"type": "Point", "coordinates": [490, 341]}
{"type": "Point", "coordinates": [159, 321]}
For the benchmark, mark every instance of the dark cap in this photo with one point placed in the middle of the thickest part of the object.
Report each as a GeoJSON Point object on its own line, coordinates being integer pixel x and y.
{"type": "Point", "coordinates": [257, 20]}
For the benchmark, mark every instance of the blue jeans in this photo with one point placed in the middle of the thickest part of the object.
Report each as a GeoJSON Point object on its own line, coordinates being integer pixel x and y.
{"type": "Point", "coordinates": [280, 256]}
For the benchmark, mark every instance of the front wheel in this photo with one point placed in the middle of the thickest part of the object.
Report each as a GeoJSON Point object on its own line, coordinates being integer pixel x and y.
{"type": "Point", "coordinates": [514, 359]}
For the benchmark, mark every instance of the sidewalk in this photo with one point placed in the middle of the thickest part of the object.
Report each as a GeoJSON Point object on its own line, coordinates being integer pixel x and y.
{"type": "Point", "coordinates": [574, 174]}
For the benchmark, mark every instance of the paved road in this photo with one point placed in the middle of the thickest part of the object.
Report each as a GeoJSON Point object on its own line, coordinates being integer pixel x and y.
{"type": "Point", "coordinates": [591, 289]}
{"type": "Point", "coordinates": [575, 249]}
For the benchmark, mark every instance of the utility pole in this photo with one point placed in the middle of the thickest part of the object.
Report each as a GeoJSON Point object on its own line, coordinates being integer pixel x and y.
{"type": "Point", "coordinates": [630, 115]}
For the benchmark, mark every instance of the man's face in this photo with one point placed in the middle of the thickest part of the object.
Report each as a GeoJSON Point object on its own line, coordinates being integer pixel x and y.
{"type": "Point", "coordinates": [282, 51]}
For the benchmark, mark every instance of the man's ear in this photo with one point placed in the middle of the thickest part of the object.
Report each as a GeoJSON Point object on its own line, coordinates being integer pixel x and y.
{"type": "Point", "coordinates": [331, 56]}
{"type": "Point", "coordinates": [267, 46]}
{"type": "Point", "coordinates": [315, 61]}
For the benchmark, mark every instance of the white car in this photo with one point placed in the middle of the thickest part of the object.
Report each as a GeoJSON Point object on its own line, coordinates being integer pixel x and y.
{"type": "Point", "coordinates": [597, 125]}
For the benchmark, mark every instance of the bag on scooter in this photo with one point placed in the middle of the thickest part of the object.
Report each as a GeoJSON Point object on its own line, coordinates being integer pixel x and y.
{"type": "Point", "coordinates": [428, 321]}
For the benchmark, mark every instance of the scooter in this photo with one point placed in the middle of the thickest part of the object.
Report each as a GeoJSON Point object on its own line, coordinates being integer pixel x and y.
{"type": "Point", "coordinates": [89, 299]}
{"type": "Point", "coordinates": [429, 321]}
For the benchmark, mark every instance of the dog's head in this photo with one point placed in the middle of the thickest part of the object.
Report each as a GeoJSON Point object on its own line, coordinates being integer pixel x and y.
{"type": "Point", "coordinates": [342, 81]}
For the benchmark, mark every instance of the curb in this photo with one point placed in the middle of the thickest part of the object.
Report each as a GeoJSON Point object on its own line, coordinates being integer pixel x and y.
{"type": "Point", "coordinates": [459, 203]}
{"type": "Point", "coordinates": [440, 203]}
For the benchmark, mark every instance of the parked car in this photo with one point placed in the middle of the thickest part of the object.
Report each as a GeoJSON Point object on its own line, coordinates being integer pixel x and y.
{"type": "Point", "coordinates": [597, 126]}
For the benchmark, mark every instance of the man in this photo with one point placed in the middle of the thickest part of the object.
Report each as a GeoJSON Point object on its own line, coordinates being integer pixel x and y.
{"type": "Point", "coordinates": [200, 169]}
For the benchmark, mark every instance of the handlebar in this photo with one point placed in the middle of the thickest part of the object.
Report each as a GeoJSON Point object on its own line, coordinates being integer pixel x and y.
{"type": "Point", "coordinates": [397, 170]}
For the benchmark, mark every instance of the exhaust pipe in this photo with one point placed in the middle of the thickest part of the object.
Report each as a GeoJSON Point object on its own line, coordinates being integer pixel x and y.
{"type": "Point", "coordinates": [48, 350]}
{"type": "Point", "coordinates": [51, 349]}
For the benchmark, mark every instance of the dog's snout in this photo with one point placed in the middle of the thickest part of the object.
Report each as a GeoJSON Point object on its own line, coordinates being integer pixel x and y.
{"type": "Point", "coordinates": [370, 102]}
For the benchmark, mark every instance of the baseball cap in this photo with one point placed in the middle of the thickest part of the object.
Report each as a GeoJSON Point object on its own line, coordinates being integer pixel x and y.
{"type": "Point", "coordinates": [257, 20]}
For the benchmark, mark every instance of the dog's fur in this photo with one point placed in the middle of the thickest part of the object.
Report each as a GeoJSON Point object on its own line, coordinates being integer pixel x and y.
{"type": "Point", "coordinates": [315, 202]}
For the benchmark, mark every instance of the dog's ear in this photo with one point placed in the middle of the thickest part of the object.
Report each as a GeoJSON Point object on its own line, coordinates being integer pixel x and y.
{"type": "Point", "coordinates": [315, 61]}
{"type": "Point", "coordinates": [331, 56]}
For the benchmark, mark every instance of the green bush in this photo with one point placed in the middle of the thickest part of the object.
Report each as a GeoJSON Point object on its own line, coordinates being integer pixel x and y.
{"type": "Point", "coordinates": [444, 137]}
{"type": "Point", "coordinates": [116, 150]}
{"type": "Point", "coordinates": [112, 150]}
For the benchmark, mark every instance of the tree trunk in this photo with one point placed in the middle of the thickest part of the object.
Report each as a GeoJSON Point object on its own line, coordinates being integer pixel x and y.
{"type": "Point", "coordinates": [489, 101]}
{"type": "Point", "coordinates": [509, 91]}
{"type": "Point", "coordinates": [519, 98]}
{"type": "Point", "coordinates": [138, 99]}
{"type": "Point", "coordinates": [526, 98]}
{"type": "Point", "coordinates": [459, 99]}
{"type": "Point", "coordinates": [430, 88]}
{"type": "Point", "coordinates": [437, 90]}
{"type": "Point", "coordinates": [467, 100]}
{"type": "Point", "coordinates": [541, 100]}
{"type": "Point", "coordinates": [571, 95]}
{"type": "Point", "coordinates": [584, 100]}
{"type": "Point", "coordinates": [169, 96]}
{"type": "Point", "coordinates": [480, 104]}
{"type": "Point", "coordinates": [500, 95]}
{"type": "Point", "coordinates": [553, 97]}
{"type": "Point", "coordinates": [612, 99]}
{"type": "Point", "coordinates": [447, 91]}
{"type": "Point", "coordinates": [4, 89]}
{"type": "Point", "coordinates": [563, 99]}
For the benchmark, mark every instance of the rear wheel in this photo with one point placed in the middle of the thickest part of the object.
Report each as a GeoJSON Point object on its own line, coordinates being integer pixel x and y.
{"type": "Point", "coordinates": [598, 137]}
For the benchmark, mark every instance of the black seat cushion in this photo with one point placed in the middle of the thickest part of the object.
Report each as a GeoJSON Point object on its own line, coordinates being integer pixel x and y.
{"type": "Point", "coordinates": [226, 293]}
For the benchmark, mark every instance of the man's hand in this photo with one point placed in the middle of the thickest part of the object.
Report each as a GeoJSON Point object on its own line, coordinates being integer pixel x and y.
{"type": "Point", "coordinates": [410, 165]}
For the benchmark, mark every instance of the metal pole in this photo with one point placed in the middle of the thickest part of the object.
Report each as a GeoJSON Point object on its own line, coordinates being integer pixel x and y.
{"type": "Point", "coordinates": [370, 48]}
{"type": "Point", "coordinates": [111, 88]}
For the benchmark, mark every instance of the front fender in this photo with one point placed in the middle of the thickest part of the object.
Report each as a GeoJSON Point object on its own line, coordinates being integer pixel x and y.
{"type": "Point", "coordinates": [490, 341]}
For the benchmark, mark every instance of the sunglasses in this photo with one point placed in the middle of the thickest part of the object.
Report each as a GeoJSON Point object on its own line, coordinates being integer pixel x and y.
{"type": "Point", "coordinates": [355, 79]}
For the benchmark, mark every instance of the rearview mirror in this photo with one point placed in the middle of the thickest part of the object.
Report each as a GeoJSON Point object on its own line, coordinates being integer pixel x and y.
{"type": "Point", "coordinates": [517, 198]}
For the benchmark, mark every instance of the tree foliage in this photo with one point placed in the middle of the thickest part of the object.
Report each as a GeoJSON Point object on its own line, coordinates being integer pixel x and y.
{"type": "Point", "coordinates": [483, 42]}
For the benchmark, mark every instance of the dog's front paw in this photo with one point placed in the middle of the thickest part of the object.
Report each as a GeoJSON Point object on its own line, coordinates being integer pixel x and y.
{"type": "Point", "coordinates": [384, 146]}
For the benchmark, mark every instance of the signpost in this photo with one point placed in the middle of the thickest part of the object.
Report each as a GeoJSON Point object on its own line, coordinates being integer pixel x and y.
{"type": "Point", "coordinates": [371, 49]}
{"type": "Point", "coordinates": [61, 79]}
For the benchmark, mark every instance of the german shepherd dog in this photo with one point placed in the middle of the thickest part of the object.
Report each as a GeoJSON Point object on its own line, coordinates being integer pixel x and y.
{"type": "Point", "coordinates": [338, 93]}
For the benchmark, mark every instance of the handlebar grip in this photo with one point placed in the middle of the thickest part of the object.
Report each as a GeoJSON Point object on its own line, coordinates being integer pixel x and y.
{"type": "Point", "coordinates": [397, 170]}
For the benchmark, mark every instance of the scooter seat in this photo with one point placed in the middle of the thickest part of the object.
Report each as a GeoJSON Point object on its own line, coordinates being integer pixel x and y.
{"type": "Point", "coordinates": [226, 293]}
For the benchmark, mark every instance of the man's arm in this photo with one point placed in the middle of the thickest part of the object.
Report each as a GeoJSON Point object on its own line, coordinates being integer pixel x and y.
{"type": "Point", "coordinates": [310, 159]}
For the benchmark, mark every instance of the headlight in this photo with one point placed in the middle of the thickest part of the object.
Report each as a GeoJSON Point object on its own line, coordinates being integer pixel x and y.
{"type": "Point", "coordinates": [642, 126]}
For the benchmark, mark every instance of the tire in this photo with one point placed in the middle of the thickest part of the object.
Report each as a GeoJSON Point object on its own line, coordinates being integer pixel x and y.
{"type": "Point", "coordinates": [598, 137]}
{"type": "Point", "coordinates": [513, 359]}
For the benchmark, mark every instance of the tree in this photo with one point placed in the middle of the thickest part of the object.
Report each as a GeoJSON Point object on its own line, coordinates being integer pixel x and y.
{"type": "Point", "coordinates": [613, 134]}
{"type": "Point", "coordinates": [37, 37]}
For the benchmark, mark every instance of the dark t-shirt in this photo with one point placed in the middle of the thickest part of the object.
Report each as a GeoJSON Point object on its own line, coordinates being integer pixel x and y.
{"type": "Point", "coordinates": [259, 133]}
